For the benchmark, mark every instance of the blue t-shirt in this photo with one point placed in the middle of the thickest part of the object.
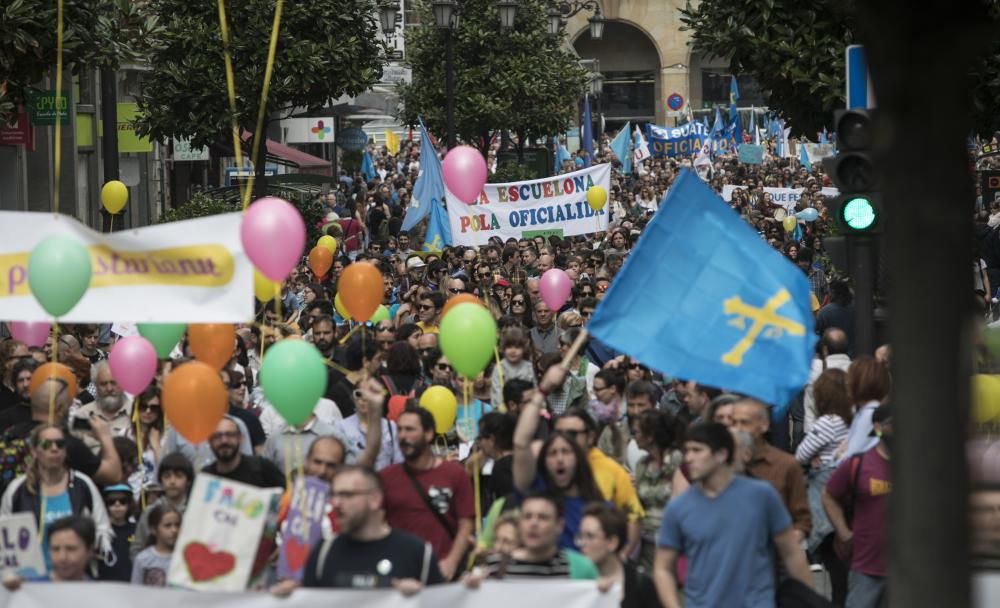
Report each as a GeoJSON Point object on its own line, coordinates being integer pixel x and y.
{"type": "Point", "coordinates": [572, 514]}
{"type": "Point", "coordinates": [727, 540]}
{"type": "Point", "coordinates": [56, 507]}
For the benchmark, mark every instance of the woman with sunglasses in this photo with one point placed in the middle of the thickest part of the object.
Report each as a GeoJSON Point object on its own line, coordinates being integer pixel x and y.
{"type": "Point", "coordinates": [150, 433]}
{"type": "Point", "coordinates": [50, 490]}
{"type": "Point", "coordinates": [520, 306]}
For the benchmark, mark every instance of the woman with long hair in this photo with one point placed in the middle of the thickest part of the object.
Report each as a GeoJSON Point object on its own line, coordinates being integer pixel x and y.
{"type": "Point", "coordinates": [149, 415]}
{"type": "Point", "coordinates": [520, 306]}
{"type": "Point", "coordinates": [50, 490]}
{"type": "Point", "coordinates": [561, 467]}
{"type": "Point", "coordinates": [658, 475]}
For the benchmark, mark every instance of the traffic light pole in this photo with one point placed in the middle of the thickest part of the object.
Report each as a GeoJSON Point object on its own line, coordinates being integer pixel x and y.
{"type": "Point", "coordinates": [862, 261]}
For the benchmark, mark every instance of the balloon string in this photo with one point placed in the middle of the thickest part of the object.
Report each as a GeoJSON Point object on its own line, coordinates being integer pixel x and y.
{"type": "Point", "coordinates": [59, 94]}
{"type": "Point", "coordinates": [138, 449]}
{"type": "Point", "coordinates": [496, 353]}
{"type": "Point", "coordinates": [288, 465]}
{"type": "Point", "coordinates": [349, 334]}
{"type": "Point", "coordinates": [262, 108]}
{"type": "Point", "coordinates": [55, 356]}
{"type": "Point", "coordinates": [477, 494]}
{"type": "Point", "coordinates": [231, 92]}
{"type": "Point", "coordinates": [300, 467]}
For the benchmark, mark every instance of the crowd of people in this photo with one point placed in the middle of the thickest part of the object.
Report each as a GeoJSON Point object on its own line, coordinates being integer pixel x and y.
{"type": "Point", "coordinates": [587, 464]}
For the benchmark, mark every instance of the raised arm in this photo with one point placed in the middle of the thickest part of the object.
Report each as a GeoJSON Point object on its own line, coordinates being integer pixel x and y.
{"type": "Point", "coordinates": [376, 397]}
{"type": "Point", "coordinates": [524, 460]}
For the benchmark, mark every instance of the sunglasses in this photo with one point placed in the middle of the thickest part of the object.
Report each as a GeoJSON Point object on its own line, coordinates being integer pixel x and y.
{"type": "Point", "coordinates": [517, 302]}
{"type": "Point", "coordinates": [117, 500]}
{"type": "Point", "coordinates": [424, 307]}
{"type": "Point", "coordinates": [156, 408]}
{"type": "Point", "coordinates": [48, 444]}
{"type": "Point", "coordinates": [484, 275]}
{"type": "Point", "coordinates": [443, 367]}
{"type": "Point", "coordinates": [586, 294]}
{"type": "Point", "coordinates": [237, 385]}
{"type": "Point", "coordinates": [635, 366]}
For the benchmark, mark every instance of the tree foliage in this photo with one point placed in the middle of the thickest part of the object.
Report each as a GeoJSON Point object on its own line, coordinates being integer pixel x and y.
{"type": "Point", "coordinates": [522, 80]}
{"type": "Point", "coordinates": [795, 49]}
{"type": "Point", "coordinates": [96, 33]}
{"type": "Point", "coordinates": [326, 48]}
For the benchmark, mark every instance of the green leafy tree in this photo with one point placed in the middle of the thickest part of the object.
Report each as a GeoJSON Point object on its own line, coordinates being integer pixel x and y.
{"type": "Point", "coordinates": [522, 80]}
{"type": "Point", "coordinates": [795, 49]}
{"type": "Point", "coordinates": [326, 48]}
{"type": "Point", "coordinates": [96, 34]}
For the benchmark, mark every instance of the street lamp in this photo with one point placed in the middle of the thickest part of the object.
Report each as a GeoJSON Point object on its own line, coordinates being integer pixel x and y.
{"type": "Point", "coordinates": [446, 14]}
{"type": "Point", "coordinates": [596, 83]}
{"type": "Point", "coordinates": [507, 10]}
{"type": "Point", "coordinates": [558, 15]}
{"type": "Point", "coordinates": [387, 12]}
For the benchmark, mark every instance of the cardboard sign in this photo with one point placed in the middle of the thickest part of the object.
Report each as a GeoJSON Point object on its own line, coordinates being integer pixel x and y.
{"type": "Point", "coordinates": [751, 154]}
{"type": "Point", "coordinates": [303, 527]}
{"type": "Point", "coordinates": [20, 551]}
{"type": "Point", "coordinates": [222, 528]}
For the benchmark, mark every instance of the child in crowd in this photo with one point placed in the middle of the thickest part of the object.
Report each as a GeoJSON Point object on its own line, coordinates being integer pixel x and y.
{"type": "Point", "coordinates": [152, 563]}
{"type": "Point", "coordinates": [121, 511]}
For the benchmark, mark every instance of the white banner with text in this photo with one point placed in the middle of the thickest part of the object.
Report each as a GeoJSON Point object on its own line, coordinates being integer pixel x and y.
{"type": "Point", "coordinates": [180, 272]}
{"type": "Point", "coordinates": [550, 206]}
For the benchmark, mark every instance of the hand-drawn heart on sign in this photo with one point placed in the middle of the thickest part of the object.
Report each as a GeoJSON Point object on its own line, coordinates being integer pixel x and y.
{"type": "Point", "coordinates": [222, 529]}
{"type": "Point", "coordinates": [204, 564]}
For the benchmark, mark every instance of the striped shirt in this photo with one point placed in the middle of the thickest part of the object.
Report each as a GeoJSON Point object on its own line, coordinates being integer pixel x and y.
{"type": "Point", "coordinates": [500, 566]}
{"type": "Point", "coordinates": [828, 433]}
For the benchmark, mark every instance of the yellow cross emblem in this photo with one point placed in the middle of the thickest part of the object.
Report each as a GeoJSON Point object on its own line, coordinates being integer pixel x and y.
{"type": "Point", "coordinates": [763, 320]}
{"type": "Point", "coordinates": [435, 245]}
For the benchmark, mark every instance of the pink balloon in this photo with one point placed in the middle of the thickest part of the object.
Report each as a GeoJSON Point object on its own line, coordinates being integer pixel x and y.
{"type": "Point", "coordinates": [32, 333]}
{"type": "Point", "coordinates": [555, 287]}
{"type": "Point", "coordinates": [464, 172]}
{"type": "Point", "coordinates": [273, 236]}
{"type": "Point", "coordinates": [133, 363]}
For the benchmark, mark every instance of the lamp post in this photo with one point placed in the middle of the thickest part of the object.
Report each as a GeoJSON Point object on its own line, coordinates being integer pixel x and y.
{"type": "Point", "coordinates": [446, 14]}
{"type": "Point", "coordinates": [387, 14]}
{"type": "Point", "coordinates": [566, 9]}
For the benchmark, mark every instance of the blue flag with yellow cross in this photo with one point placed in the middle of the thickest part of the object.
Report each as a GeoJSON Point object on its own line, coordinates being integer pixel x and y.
{"type": "Point", "coordinates": [703, 297]}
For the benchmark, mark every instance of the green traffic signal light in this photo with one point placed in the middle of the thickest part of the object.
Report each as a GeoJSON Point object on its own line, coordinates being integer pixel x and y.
{"type": "Point", "coordinates": [858, 213]}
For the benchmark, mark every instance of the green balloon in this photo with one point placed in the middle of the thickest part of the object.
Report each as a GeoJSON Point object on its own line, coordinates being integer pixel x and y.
{"type": "Point", "coordinates": [163, 336]}
{"type": "Point", "coordinates": [59, 273]}
{"type": "Point", "coordinates": [468, 338]}
{"type": "Point", "coordinates": [293, 377]}
{"type": "Point", "coordinates": [381, 314]}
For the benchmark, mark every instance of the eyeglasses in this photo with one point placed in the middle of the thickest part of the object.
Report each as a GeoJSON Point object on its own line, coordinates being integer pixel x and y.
{"type": "Point", "coordinates": [48, 444]}
{"type": "Point", "coordinates": [443, 367]}
{"type": "Point", "coordinates": [117, 500]}
{"type": "Point", "coordinates": [517, 302]}
{"type": "Point", "coordinates": [425, 307]}
{"type": "Point", "coordinates": [484, 275]}
{"type": "Point", "coordinates": [225, 435]}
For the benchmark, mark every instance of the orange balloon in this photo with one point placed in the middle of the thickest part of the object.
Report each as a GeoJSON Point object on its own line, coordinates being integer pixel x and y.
{"type": "Point", "coordinates": [461, 298]}
{"type": "Point", "coordinates": [320, 260]}
{"type": "Point", "coordinates": [360, 289]}
{"type": "Point", "coordinates": [53, 370]}
{"type": "Point", "coordinates": [212, 343]}
{"type": "Point", "coordinates": [194, 400]}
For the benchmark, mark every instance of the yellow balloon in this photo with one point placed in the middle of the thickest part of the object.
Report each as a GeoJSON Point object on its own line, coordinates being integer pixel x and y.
{"type": "Point", "coordinates": [789, 223]}
{"type": "Point", "coordinates": [340, 308]}
{"type": "Point", "coordinates": [597, 196]}
{"type": "Point", "coordinates": [328, 242]}
{"type": "Point", "coordinates": [985, 398]}
{"type": "Point", "coordinates": [264, 289]}
{"type": "Point", "coordinates": [441, 403]}
{"type": "Point", "coordinates": [114, 195]}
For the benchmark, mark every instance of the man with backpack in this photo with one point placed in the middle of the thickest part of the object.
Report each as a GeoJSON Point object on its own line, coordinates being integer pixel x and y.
{"type": "Point", "coordinates": [856, 499]}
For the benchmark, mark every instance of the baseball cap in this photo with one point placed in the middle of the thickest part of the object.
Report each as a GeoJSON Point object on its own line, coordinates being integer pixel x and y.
{"type": "Point", "coordinates": [414, 262]}
{"type": "Point", "coordinates": [118, 488]}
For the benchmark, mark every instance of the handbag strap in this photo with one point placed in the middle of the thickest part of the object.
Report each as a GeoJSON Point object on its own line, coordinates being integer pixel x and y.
{"type": "Point", "coordinates": [427, 502]}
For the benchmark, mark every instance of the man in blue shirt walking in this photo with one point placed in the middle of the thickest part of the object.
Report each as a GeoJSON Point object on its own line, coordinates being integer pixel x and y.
{"type": "Point", "coordinates": [725, 525]}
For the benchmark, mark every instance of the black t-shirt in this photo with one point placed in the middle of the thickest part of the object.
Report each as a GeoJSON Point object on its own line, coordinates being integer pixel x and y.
{"type": "Point", "coordinates": [252, 470]}
{"type": "Point", "coordinates": [15, 415]}
{"type": "Point", "coordinates": [501, 481]}
{"type": "Point", "coordinates": [257, 435]}
{"type": "Point", "coordinates": [373, 564]}
{"type": "Point", "coordinates": [121, 571]}
{"type": "Point", "coordinates": [8, 398]}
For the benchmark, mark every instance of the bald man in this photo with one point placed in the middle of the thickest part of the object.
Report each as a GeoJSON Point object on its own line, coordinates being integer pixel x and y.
{"type": "Point", "coordinates": [832, 355]}
{"type": "Point", "coordinates": [777, 467]}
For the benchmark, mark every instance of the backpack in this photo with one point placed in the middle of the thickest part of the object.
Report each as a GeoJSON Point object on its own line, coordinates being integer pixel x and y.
{"type": "Point", "coordinates": [14, 456]}
{"type": "Point", "coordinates": [397, 400]}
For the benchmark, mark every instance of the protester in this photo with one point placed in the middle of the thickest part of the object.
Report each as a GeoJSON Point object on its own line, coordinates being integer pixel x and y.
{"type": "Point", "coordinates": [71, 541]}
{"type": "Point", "coordinates": [153, 562]}
{"type": "Point", "coordinates": [602, 535]}
{"type": "Point", "coordinates": [121, 513]}
{"type": "Point", "coordinates": [175, 476]}
{"type": "Point", "coordinates": [725, 524]}
{"type": "Point", "coordinates": [658, 475]}
{"type": "Point", "coordinates": [230, 463]}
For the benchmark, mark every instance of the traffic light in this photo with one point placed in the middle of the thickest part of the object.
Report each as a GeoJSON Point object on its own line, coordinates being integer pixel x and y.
{"type": "Point", "coordinates": [858, 208]}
